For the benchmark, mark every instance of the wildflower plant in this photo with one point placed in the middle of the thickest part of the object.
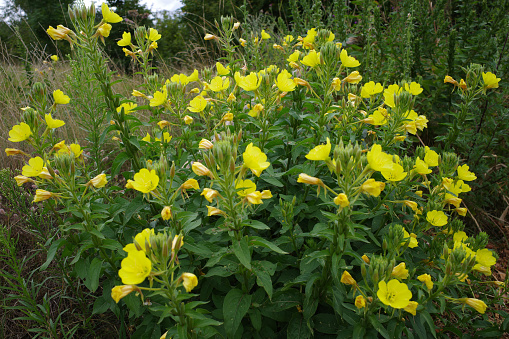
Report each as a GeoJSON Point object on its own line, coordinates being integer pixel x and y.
{"type": "Point", "coordinates": [378, 250]}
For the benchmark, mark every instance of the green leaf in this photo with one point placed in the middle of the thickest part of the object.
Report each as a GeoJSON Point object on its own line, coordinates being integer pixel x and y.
{"type": "Point", "coordinates": [118, 162]}
{"type": "Point", "coordinates": [256, 319]}
{"type": "Point", "coordinates": [235, 306]}
{"type": "Point", "coordinates": [273, 181]}
{"type": "Point", "coordinates": [263, 271]}
{"type": "Point", "coordinates": [378, 326]}
{"type": "Point", "coordinates": [297, 328]}
{"type": "Point", "coordinates": [241, 251]}
{"type": "Point", "coordinates": [326, 323]}
{"type": "Point", "coordinates": [257, 241]}
{"type": "Point", "coordinates": [101, 305]}
{"type": "Point", "coordinates": [256, 224]}
{"type": "Point", "coordinates": [52, 251]}
{"type": "Point", "coordinates": [93, 274]}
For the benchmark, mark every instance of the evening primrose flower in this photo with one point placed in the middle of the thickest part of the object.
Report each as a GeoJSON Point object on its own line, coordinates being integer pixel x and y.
{"type": "Point", "coordinates": [431, 157]}
{"type": "Point", "coordinates": [153, 35]}
{"type": "Point", "coordinates": [219, 84]}
{"type": "Point", "coordinates": [360, 302]}
{"type": "Point", "coordinates": [389, 93]}
{"type": "Point", "coordinates": [413, 239]}
{"type": "Point", "coordinates": [166, 213]}
{"type": "Point", "coordinates": [98, 181]}
{"type": "Point", "coordinates": [205, 144]}
{"type": "Point", "coordinates": [412, 307]}
{"type": "Point", "coordinates": [490, 80]}
{"type": "Point", "coordinates": [465, 174]}
{"type": "Point", "coordinates": [145, 181]}
{"type": "Point", "coordinates": [255, 159]}
{"type": "Point", "coordinates": [400, 271]}
{"type": "Point", "coordinates": [394, 293]}
{"type": "Point", "coordinates": [41, 195]}
{"type": "Point", "coordinates": [59, 33]}
{"type": "Point", "coordinates": [53, 123]}
{"type": "Point", "coordinates": [311, 59]}
{"type": "Point", "coordinates": [209, 36]}
{"type": "Point", "coordinates": [348, 61]}
{"type": "Point", "coordinates": [104, 30]}
{"type": "Point", "coordinates": [190, 184]}
{"type": "Point", "coordinates": [188, 120]}
{"type": "Point", "coordinates": [320, 152]}
{"type": "Point", "coordinates": [135, 268]}
{"type": "Point", "coordinates": [485, 259]}
{"type": "Point", "coordinates": [394, 172]}
{"type": "Point", "coordinates": [373, 187]}
{"type": "Point", "coordinates": [476, 304]}
{"type": "Point", "coordinates": [35, 168]}
{"type": "Point", "coordinates": [245, 187]}
{"type": "Point", "coordinates": [449, 79]}
{"type": "Point", "coordinates": [284, 82]}
{"type": "Point", "coordinates": [221, 70]}
{"type": "Point", "coordinates": [13, 151]}
{"type": "Point", "coordinates": [463, 84]}
{"type": "Point", "coordinates": [294, 57]}
{"type": "Point", "coordinates": [347, 279]}
{"type": "Point", "coordinates": [461, 211]}
{"type": "Point", "coordinates": [19, 132]}
{"type": "Point", "coordinates": [370, 89]}
{"type": "Point", "coordinates": [254, 198]}
{"type": "Point", "coordinates": [421, 167]}
{"type": "Point", "coordinates": [436, 218]}
{"type": "Point", "coordinates": [341, 200]}
{"type": "Point", "coordinates": [118, 292]}
{"type": "Point", "coordinates": [377, 159]}
{"type": "Point", "coordinates": [201, 170]}
{"type": "Point", "coordinates": [426, 279]}
{"type": "Point", "coordinates": [126, 40]}
{"type": "Point", "coordinates": [60, 98]}
{"type": "Point", "coordinates": [209, 194]}
{"type": "Point", "coordinates": [414, 88]}
{"type": "Point", "coordinates": [353, 78]}
{"type": "Point", "coordinates": [189, 281]}
{"type": "Point", "coordinates": [109, 15]}
{"type": "Point", "coordinates": [214, 211]}
{"type": "Point", "coordinates": [307, 179]}
{"type": "Point", "coordinates": [248, 83]}
{"type": "Point", "coordinates": [54, 57]}
{"type": "Point", "coordinates": [128, 107]}
{"type": "Point", "coordinates": [159, 98]}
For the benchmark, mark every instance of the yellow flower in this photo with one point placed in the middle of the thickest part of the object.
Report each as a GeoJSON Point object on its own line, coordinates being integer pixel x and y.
{"type": "Point", "coordinates": [54, 58]}
{"type": "Point", "coordinates": [360, 302]}
{"type": "Point", "coordinates": [205, 144]}
{"type": "Point", "coordinates": [145, 181]}
{"type": "Point", "coordinates": [166, 213]}
{"type": "Point", "coordinates": [476, 304]}
{"type": "Point", "coordinates": [60, 98]}
{"type": "Point", "coordinates": [413, 239]}
{"type": "Point", "coordinates": [400, 271]}
{"type": "Point", "coordinates": [118, 292]}
{"type": "Point", "coordinates": [213, 211]}
{"type": "Point", "coordinates": [53, 123]}
{"type": "Point", "coordinates": [200, 169]}
{"type": "Point", "coordinates": [221, 70]}
{"type": "Point", "coordinates": [138, 94]}
{"type": "Point", "coordinates": [20, 180]}
{"type": "Point", "coordinates": [254, 198]}
{"type": "Point", "coordinates": [209, 194]}
{"type": "Point", "coordinates": [59, 33]}
{"type": "Point", "coordinates": [104, 30]}
{"type": "Point", "coordinates": [35, 168]}
{"type": "Point", "coordinates": [341, 200]}
{"type": "Point", "coordinates": [255, 159]}
{"type": "Point", "coordinates": [159, 98]}
{"type": "Point", "coordinates": [250, 82]}
{"type": "Point", "coordinates": [463, 84]}
{"type": "Point", "coordinates": [189, 281]}
{"type": "Point", "coordinates": [188, 120]}
{"type": "Point", "coordinates": [353, 78]}
{"type": "Point", "coordinates": [242, 42]}
{"type": "Point", "coordinates": [209, 36]}
{"type": "Point", "coordinates": [126, 40]}
{"type": "Point", "coordinates": [245, 187]}
{"type": "Point", "coordinates": [146, 138]}
{"type": "Point", "coordinates": [109, 15]}
{"type": "Point", "coordinates": [461, 211]}
{"type": "Point", "coordinates": [377, 159]}
{"type": "Point", "coordinates": [306, 179]}
{"type": "Point", "coordinates": [347, 279]}
{"type": "Point", "coordinates": [128, 107]}
{"type": "Point", "coordinates": [365, 259]}
{"type": "Point", "coordinates": [198, 104]}
{"type": "Point", "coordinates": [485, 259]}
{"type": "Point", "coordinates": [394, 293]}
{"type": "Point", "coordinates": [294, 56]}
{"type": "Point", "coordinates": [153, 35]}
{"type": "Point", "coordinates": [265, 35]}
{"type": "Point", "coordinates": [312, 59]}
{"type": "Point", "coordinates": [348, 61]}
{"type": "Point", "coordinates": [412, 307]}
{"type": "Point", "coordinates": [98, 181]}
{"type": "Point", "coordinates": [190, 184]}
{"type": "Point", "coordinates": [219, 84]}
{"type": "Point", "coordinates": [414, 88]}
{"type": "Point", "coordinates": [421, 167]}
{"type": "Point", "coordinates": [426, 279]}
{"type": "Point", "coordinates": [266, 194]}
{"type": "Point", "coordinates": [436, 218]}
{"type": "Point", "coordinates": [41, 195]}
{"type": "Point", "coordinates": [141, 240]}
{"type": "Point", "coordinates": [431, 157]}
{"type": "Point", "coordinates": [490, 80]}
{"type": "Point", "coordinates": [284, 81]}
{"type": "Point", "coordinates": [256, 110]}
{"type": "Point", "coordinates": [373, 187]}
{"type": "Point", "coordinates": [371, 89]}
{"type": "Point", "coordinates": [14, 151]}
{"type": "Point", "coordinates": [390, 93]}
{"type": "Point", "coordinates": [135, 268]}
{"type": "Point", "coordinates": [20, 132]}
{"type": "Point", "coordinates": [394, 172]}
{"type": "Point", "coordinates": [320, 152]}
{"type": "Point", "coordinates": [449, 79]}
{"type": "Point", "coordinates": [465, 174]}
